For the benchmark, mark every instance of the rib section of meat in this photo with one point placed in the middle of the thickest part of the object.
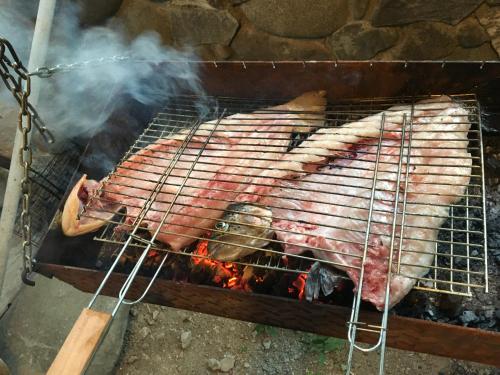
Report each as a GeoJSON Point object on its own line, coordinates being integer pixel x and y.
{"type": "Point", "coordinates": [327, 211]}
{"type": "Point", "coordinates": [179, 185]}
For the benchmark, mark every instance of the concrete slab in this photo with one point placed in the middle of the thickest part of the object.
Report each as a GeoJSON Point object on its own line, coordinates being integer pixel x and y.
{"type": "Point", "coordinates": [12, 284]}
{"type": "Point", "coordinates": [38, 321]}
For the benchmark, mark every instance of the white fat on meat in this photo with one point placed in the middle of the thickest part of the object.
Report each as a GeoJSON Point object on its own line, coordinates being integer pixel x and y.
{"type": "Point", "coordinates": [327, 211]}
{"type": "Point", "coordinates": [240, 147]}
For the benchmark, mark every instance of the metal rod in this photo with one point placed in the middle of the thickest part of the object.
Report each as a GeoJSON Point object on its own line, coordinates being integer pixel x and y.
{"type": "Point", "coordinates": [130, 279]}
{"type": "Point", "coordinates": [483, 190]}
{"type": "Point", "coordinates": [385, 315]}
{"type": "Point", "coordinates": [168, 169]}
{"type": "Point", "coordinates": [407, 175]}
{"type": "Point", "coordinates": [141, 166]}
{"type": "Point", "coordinates": [351, 332]}
{"type": "Point", "coordinates": [38, 52]}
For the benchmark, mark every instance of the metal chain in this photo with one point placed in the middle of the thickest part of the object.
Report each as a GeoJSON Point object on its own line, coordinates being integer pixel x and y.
{"type": "Point", "coordinates": [14, 85]}
{"type": "Point", "coordinates": [19, 84]}
{"type": "Point", "coordinates": [46, 72]}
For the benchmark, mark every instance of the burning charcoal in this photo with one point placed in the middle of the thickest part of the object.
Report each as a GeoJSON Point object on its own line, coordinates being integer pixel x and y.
{"type": "Point", "coordinates": [282, 287]}
{"type": "Point", "coordinates": [450, 305]}
{"type": "Point", "coordinates": [468, 317]}
{"type": "Point", "coordinates": [415, 305]}
{"type": "Point", "coordinates": [496, 255]}
{"type": "Point", "coordinates": [201, 274]}
{"type": "Point", "coordinates": [263, 283]}
{"type": "Point", "coordinates": [429, 312]}
{"type": "Point", "coordinates": [313, 280]}
{"type": "Point", "coordinates": [322, 278]}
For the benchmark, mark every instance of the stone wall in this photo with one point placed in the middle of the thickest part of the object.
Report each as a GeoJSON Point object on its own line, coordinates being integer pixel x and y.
{"type": "Point", "coordinates": [319, 29]}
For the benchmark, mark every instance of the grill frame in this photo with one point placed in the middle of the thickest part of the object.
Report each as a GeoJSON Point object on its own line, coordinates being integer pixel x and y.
{"type": "Point", "coordinates": [52, 260]}
{"type": "Point", "coordinates": [376, 105]}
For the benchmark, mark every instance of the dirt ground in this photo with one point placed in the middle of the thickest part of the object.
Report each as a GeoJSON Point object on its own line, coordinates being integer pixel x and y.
{"type": "Point", "coordinates": [214, 345]}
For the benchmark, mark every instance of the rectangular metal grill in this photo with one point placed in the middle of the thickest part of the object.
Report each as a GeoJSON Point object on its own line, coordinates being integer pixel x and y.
{"type": "Point", "coordinates": [460, 261]}
{"type": "Point", "coordinates": [184, 279]}
{"type": "Point", "coordinates": [459, 258]}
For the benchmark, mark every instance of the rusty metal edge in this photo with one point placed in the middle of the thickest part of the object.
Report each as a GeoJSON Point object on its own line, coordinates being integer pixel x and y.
{"type": "Point", "coordinates": [330, 320]}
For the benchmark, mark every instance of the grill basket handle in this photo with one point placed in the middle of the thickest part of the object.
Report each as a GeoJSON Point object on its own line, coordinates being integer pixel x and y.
{"type": "Point", "coordinates": [81, 343]}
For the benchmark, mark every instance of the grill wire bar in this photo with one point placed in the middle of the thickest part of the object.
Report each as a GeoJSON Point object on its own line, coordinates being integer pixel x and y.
{"type": "Point", "coordinates": [391, 214]}
{"type": "Point", "coordinates": [188, 111]}
{"type": "Point", "coordinates": [139, 220]}
{"type": "Point", "coordinates": [353, 323]}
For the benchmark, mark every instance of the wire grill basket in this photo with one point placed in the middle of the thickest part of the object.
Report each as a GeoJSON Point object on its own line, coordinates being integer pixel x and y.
{"type": "Point", "coordinates": [376, 179]}
{"type": "Point", "coordinates": [459, 254]}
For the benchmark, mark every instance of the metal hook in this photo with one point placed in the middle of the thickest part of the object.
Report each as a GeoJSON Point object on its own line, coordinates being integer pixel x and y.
{"type": "Point", "coordinates": [304, 64]}
{"type": "Point", "coordinates": [443, 64]}
{"type": "Point", "coordinates": [26, 279]}
{"type": "Point", "coordinates": [46, 134]}
{"type": "Point", "coordinates": [215, 64]}
{"type": "Point", "coordinates": [368, 349]}
{"type": "Point", "coordinates": [122, 291]}
{"type": "Point", "coordinates": [244, 65]}
{"type": "Point", "coordinates": [42, 72]}
{"type": "Point", "coordinates": [274, 66]}
{"type": "Point", "coordinates": [406, 64]}
{"type": "Point", "coordinates": [335, 64]}
{"type": "Point", "coordinates": [482, 65]}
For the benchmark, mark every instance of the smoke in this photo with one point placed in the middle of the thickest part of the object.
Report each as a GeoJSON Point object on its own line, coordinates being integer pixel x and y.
{"type": "Point", "coordinates": [78, 102]}
{"type": "Point", "coordinates": [16, 26]}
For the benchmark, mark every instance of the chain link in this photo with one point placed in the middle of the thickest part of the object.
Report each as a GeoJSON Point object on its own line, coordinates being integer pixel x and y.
{"type": "Point", "coordinates": [18, 82]}
{"type": "Point", "coordinates": [28, 116]}
{"type": "Point", "coordinates": [14, 85]}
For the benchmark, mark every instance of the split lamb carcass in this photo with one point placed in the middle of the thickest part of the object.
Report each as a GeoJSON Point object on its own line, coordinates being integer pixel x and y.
{"type": "Point", "coordinates": [239, 148]}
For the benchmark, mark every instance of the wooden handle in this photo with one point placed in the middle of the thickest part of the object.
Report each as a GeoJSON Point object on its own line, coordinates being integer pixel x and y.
{"type": "Point", "coordinates": [81, 343]}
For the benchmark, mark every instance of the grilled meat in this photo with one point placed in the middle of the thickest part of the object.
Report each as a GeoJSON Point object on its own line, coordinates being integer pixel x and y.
{"type": "Point", "coordinates": [240, 147]}
{"type": "Point", "coordinates": [242, 230]}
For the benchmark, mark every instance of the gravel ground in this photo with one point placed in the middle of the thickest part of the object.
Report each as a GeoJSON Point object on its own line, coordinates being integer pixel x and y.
{"type": "Point", "coordinates": [170, 341]}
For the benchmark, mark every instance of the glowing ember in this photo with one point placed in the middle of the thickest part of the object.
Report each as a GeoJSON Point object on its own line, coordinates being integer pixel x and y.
{"type": "Point", "coordinates": [233, 281]}
{"type": "Point", "coordinates": [230, 275]}
{"type": "Point", "coordinates": [300, 284]}
{"type": "Point", "coordinates": [225, 274]}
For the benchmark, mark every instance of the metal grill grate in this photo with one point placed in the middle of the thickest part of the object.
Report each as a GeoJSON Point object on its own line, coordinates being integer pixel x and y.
{"type": "Point", "coordinates": [50, 177]}
{"type": "Point", "coordinates": [459, 261]}
{"type": "Point", "coordinates": [390, 190]}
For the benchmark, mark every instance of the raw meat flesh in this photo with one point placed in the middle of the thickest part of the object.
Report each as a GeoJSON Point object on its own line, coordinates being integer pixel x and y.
{"type": "Point", "coordinates": [240, 147]}
{"type": "Point", "coordinates": [332, 221]}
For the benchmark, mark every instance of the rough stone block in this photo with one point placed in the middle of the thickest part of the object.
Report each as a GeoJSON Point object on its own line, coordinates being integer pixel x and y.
{"type": "Point", "coordinates": [297, 18]}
